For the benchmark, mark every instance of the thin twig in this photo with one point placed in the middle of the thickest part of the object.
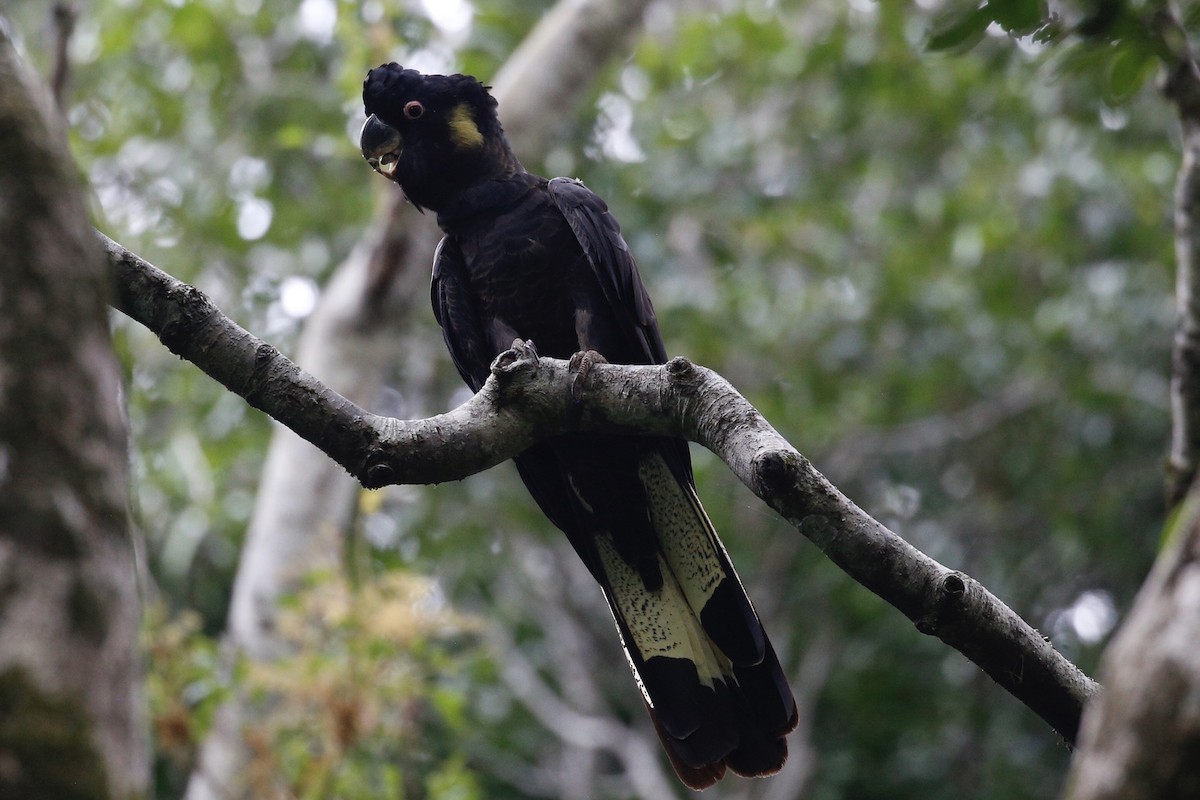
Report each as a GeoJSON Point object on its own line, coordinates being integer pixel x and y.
{"type": "Point", "coordinates": [65, 16]}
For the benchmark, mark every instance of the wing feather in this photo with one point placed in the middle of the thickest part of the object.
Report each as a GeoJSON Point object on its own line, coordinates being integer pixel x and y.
{"type": "Point", "coordinates": [600, 237]}
{"type": "Point", "coordinates": [463, 331]}
{"type": "Point", "coordinates": [455, 312]}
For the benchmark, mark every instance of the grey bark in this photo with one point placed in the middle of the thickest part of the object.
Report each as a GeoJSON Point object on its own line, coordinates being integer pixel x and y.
{"type": "Point", "coordinates": [1141, 736]}
{"type": "Point", "coordinates": [71, 717]}
{"type": "Point", "coordinates": [1184, 89]}
{"type": "Point", "coordinates": [1181, 87]}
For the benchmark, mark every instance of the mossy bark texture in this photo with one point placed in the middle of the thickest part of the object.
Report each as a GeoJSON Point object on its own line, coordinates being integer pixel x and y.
{"type": "Point", "coordinates": [70, 720]}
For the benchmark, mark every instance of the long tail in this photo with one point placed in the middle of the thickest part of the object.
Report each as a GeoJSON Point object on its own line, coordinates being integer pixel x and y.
{"type": "Point", "coordinates": [709, 676]}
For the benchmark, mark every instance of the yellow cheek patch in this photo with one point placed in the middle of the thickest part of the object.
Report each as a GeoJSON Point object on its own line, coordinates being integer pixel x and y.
{"type": "Point", "coordinates": [463, 130]}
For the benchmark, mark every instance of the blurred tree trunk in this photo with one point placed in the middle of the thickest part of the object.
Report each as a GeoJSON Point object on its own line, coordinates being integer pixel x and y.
{"type": "Point", "coordinates": [71, 721]}
{"type": "Point", "coordinates": [353, 342]}
{"type": "Point", "coordinates": [1141, 736]}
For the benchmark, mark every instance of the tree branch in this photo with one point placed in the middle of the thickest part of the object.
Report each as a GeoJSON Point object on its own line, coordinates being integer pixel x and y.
{"type": "Point", "coordinates": [1185, 373]}
{"type": "Point", "coordinates": [1182, 88]}
{"type": "Point", "coordinates": [528, 399]}
{"type": "Point", "coordinates": [637, 752]}
{"type": "Point", "coordinates": [192, 327]}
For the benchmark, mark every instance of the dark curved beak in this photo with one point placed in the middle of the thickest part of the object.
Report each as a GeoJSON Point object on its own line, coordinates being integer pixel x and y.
{"type": "Point", "coordinates": [381, 145]}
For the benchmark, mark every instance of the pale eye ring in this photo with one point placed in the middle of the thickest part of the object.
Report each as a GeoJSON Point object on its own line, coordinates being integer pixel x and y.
{"type": "Point", "coordinates": [413, 109]}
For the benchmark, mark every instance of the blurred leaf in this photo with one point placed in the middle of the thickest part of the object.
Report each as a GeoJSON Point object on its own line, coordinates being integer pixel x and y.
{"type": "Point", "coordinates": [1129, 70]}
{"type": "Point", "coordinates": [453, 782]}
{"type": "Point", "coordinates": [959, 29]}
{"type": "Point", "coordinates": [1102, 18]}
{"type": "Point", "coordinates": [1051, 31]}
{"type": "Point", "coordinates": [1018, 16]}
{"type": "Point", "coordinates": [963, 26]}
{"type": "Point", "coordinates": [1082, 59]}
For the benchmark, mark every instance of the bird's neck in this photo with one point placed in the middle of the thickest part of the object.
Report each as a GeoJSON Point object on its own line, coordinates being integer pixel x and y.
{"type": "Point", "coordinates": [486, 198]}
{"type": "Point", "coordinates": [497, 180]}
{"type": "Point", "coordinates": [498, 160]}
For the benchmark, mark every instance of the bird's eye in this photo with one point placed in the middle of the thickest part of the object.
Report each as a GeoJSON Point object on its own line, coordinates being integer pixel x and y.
{"type": "Point", "coordinates": [413, 109]}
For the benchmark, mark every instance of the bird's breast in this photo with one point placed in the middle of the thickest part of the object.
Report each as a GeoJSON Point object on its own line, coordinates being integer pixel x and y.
{"type": "Point", "coordinates": [527, 277]}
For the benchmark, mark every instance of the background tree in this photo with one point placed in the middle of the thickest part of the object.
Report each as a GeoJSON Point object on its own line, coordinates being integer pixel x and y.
{"type": "Point", "coordinates": [72, 722]}
{"type": "Point", "coordinates": [944, 277]}
{"type": "Point", "coordinates": [1140, 737]}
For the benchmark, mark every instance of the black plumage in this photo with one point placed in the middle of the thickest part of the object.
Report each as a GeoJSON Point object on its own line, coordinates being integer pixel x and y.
{"type": "Point", "coordinates": [544, 260]}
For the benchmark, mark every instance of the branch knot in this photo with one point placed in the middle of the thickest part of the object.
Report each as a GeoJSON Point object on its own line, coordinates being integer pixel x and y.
{"type": "Point", "coordinates": [776, 471]}
{"type": "Point", "coordinates": [948, 606]}
{"type": "Point", "coordinates": [378, 471]}
{"type": "Point", "coordinates": [679, 367]}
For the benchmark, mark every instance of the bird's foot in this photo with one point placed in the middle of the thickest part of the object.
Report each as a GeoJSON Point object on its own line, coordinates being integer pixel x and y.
{"type": "Point", "coordinates": [519, 351]}
{"type": "Point", "coordinates": [581, 365]}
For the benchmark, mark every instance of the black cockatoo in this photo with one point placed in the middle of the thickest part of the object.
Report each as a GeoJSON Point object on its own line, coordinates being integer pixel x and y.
{"type": "Point", "coordinates": [544, 260]}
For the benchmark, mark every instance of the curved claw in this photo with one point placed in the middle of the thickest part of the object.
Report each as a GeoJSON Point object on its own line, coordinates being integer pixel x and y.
{"type": "Point", "coordinates": [581, 364]}
{"type": "Point", "coordinates": [519, 351]}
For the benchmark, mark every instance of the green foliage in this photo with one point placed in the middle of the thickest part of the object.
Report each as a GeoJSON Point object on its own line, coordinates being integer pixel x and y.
{"type": "Point", "coordinates": [365, 704]}
{"type": "Point", "coordinates": [963, 26]}
{"type": "Point", "coordinates": [184, 687]}
{"type": "Point", "coordinates": [1121, 42]}
{"type": "Point", "coordinates": [348, 713]}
